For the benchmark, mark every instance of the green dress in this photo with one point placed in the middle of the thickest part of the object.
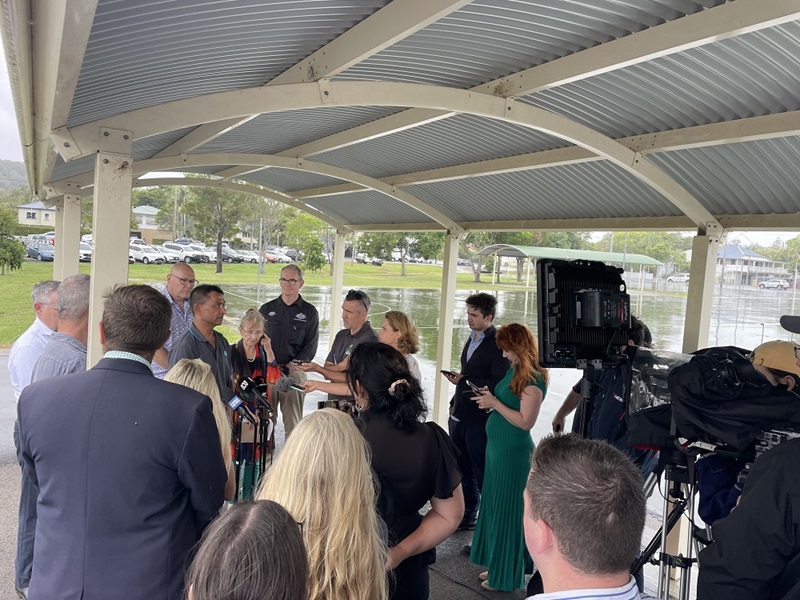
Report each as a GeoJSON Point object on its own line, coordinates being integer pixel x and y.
{"type": "Point", "coordinates": [499, 541]}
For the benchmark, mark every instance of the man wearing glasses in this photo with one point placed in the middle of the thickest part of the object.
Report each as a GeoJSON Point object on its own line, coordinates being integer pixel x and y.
{"type": "Point", "coordinates": [292, 325]}
{"type": "Point", "coordinates": [201, 340]}
{"type": "Point", "coordinates": [180, 283]}
{"type": "Point", "coordinates": [357, 330]}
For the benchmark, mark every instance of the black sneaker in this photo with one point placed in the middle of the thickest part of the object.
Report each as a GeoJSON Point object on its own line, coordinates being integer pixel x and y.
{"type": "Point", "coordinates": [467, 525]}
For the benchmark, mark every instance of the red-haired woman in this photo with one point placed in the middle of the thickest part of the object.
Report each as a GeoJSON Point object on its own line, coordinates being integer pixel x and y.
{"type": "Point", "coordinates": [499, 541]}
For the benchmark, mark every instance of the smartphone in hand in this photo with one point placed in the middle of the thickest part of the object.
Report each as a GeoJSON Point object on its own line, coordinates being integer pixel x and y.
{"type": "Point", "coordinates": [448, 373]}
{"type": "Point", "coordinates": [474, 387]}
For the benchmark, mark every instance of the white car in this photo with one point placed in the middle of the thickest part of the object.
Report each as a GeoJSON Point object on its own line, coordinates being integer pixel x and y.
{"type": "Point", "coordinates": [186, 253]}
{"type": "Point", "coordinates": [146, 254]}
{"type": "Point", "coordinates": [201, 251]}
{"type": "Point", "coordinates": [85, 252]}
{"type": "Point", "coordinates": [678, 278]}
{"type": "Point", "coordinates": [171, 256]}
{"type": "Point", "coordinates": [249, 256]}
{"type": "Point", "coordinates": [774, 284]}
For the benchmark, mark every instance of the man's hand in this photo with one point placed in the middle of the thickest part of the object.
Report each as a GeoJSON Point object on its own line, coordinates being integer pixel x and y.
{"type": "Point", "coordinates": [558, 423]}
{"type": "Point", "coordinates": [452, 376]}
{"type": "Point", "coordinates": [306, 367]}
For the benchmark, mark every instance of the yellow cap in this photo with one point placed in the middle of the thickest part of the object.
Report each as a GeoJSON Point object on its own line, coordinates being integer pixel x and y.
{"type": "Point", "coordinates": [777, 355]}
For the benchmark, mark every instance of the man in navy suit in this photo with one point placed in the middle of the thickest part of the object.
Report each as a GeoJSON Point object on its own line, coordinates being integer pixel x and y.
{"type": "Point", "coordinates": [128, 467]}
{"type": "Point", "coordinates": [482, 364]}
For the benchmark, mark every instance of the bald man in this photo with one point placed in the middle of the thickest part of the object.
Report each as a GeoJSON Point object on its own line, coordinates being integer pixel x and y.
{"type": "Point", "coordinates": [180, 283]}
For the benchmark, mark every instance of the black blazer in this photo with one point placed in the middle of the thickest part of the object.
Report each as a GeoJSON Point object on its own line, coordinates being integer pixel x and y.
{"type": "Point", "coordinates": [129, 471]}
{"type": "Point", "coordinates": [486, 367]}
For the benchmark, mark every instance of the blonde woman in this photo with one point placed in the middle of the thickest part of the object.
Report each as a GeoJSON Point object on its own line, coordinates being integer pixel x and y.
{"type": "Point", "coordinates": [197, 375]}
{"type": "Point", "coordinates": [397, 331]}
{"type": "Point", "coordinates": [323, 478]}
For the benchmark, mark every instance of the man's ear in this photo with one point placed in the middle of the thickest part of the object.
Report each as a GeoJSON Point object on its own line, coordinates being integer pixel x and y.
{"type": "Point", "coordinates": [541, 537]}
{"type": "Point", "coordinates": [789, 381]}
{"type": "Point", "coordinates": [102, 333]}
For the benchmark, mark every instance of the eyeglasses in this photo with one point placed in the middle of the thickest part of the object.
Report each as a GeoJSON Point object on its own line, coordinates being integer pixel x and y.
{"type": "Point", "coordinates": [218, 305]}
{"type": "Point", "coordinates": [797, 352]}
{"type": "Point", "coordinates": [289, 281]}
{"type": "Point", "coordinates": [183, 281]}
{"type": "Point", "coordinates": [356, 295]}
{"type": "Point", "coordinates": [253, 332]}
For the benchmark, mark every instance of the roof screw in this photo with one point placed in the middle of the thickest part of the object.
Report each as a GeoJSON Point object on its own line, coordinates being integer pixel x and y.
{"type": "Point", "coordinates": [105, 134]}
{"type": "Point", "coordinates": [105, 161]}
{"type": "Point", "coordinates": [66, 144]}
{"type": "Point", "coordinates": [327, 92]}
{"type": "Point", "coordinates": [126, 137]}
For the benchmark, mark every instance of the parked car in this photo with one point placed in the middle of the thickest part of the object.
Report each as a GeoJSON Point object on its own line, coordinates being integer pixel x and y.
{"type": "Point", "coordinates": [377, 262]}
{"type": "Point", "coordinates": [184, 241]}
{"type": "Point", "coordinates": [185, 253]}
{"type": "Point", "coordinates": [271, 257]}
{"type": "Point", "coordinates": [171, 256]}
{"type": "Point", "coordinates": [230, 255]}
{"type": "Point", "coordinates": [41, 250]}
{"type": "Point", "coordinates": [200, 252]}
{"type": "Point", "coordinates": [87, 238]}
{"type": "Point", "coordinates": [248, 256]}
{"type": "Point", "coordinates": [138, 241]}
{"type": "Point", "coordinates": [85, 252]}
{"type": "Point", "coordinates": [774, 284]}
{"type": "Point", "coordinates": [464, 262]}
{"type": "Point", "coordinates": [678, 278]}
{"type": "Point", "coordinates": [210, 252]}
{"type": "Point", "coordinates": [146, 254]}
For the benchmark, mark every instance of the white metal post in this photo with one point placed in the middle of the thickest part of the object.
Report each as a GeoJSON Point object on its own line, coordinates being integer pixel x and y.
{"type": "Point", "coordinates": [69, 237]}
{"type": "Point", "coordinates": [444, 344]}
{"type": "Point", "coordinates": [336, 283]}
{"type": "Point", "coordinates": [113, 178]}
{"type": "Point", "coordinates": [58, 255]}
{"type": "Point", "coordinates": [701, 289]}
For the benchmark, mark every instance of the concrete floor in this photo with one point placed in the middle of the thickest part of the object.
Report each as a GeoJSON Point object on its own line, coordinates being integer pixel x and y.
{"type": "Point", "coordinates": [452, 576]}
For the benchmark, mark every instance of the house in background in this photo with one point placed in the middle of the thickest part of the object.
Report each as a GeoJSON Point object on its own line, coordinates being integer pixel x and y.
{"type": "Point", "coordinates": [36, 213]}
{"type": "Point", "coordinates": [147, 226]}
{"type": "Point", "coordinates": [737, 265]}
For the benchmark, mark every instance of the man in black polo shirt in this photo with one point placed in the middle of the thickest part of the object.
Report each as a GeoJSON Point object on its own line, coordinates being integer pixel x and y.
{"type": "Point", "coordinates": [357, 330]}
{"type": "Point", "coordinates": [292, 325]}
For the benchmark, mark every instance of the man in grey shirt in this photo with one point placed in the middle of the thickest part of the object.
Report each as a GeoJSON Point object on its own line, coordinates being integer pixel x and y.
{"type": "Point", "coordinates": [66, 351]}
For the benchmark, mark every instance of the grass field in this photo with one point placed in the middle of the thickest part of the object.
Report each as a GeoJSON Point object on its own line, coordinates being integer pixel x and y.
{"type": "Point", "coordinates": [16, 313]}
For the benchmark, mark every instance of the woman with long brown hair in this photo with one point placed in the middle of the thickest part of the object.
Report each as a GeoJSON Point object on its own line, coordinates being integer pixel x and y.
{"type": "Point", "coordinates": [499, 541]}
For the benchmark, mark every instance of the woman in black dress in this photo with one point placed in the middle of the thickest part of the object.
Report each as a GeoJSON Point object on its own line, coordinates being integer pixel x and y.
{"type": "Point", "coordinates": [415, 463]}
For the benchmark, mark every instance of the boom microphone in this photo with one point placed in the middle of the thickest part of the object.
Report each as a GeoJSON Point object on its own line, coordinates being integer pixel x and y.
{"type": "Point", "coordinates": [248, 386]}
{"type": "Point", "coordinates": [238, 405]}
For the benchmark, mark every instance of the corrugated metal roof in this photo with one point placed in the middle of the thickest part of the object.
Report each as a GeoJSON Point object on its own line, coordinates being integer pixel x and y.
{"type": "Point", "coordinates": [740, 77]}
{"type": "Point", "coordinates": [367, 207]}
{"type": "Point", "coordinates": [490, 39]}
{"type": "Point", "coordinates": [753, 177]}
{"type": "Point", "coordinates": [273, 132]}
{"type": "Point", "coordinates": [145, 148]}
{"type": "Point", "coordinates": [456, 140]}
{"type": "Point", "coordinates": [62, 169]}
{"type": "Point", "coordinates": [288, 180]}
{"type": "Point", "coordinates": [568, 254]}
{"type": "Point", "coordinates": [597, 188]}
{"type": "Point", "coordinates": [145, 53]}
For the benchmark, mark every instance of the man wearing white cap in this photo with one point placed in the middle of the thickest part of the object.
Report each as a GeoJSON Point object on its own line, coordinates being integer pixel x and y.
{"type": "Point", "coordinates": [756, 549]}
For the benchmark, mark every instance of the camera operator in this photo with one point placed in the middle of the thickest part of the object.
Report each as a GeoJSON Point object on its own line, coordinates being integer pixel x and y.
{"type": "Point", "coordinates": [607, 421]}
{"type": "Point", "coordinates": [756, 549]}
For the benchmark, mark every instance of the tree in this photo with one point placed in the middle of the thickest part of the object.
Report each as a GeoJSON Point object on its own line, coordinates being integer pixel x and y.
{"type": "Point", "coordinates": [428, 245]}
{"type": "Point", "coordinates": [314, 259]}
{"type": "Point", "coordinates": [216, 212]}
{"type": "Point", "coordinates": [11, 251]}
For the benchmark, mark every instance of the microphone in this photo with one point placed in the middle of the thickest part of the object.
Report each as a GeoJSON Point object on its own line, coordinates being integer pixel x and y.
{"type": "Point", "coordinates": [284, 384]}
{"type": "Point", "coordinates": [248, 386]}
{"type": "Point", "coordinates": [238, 405]}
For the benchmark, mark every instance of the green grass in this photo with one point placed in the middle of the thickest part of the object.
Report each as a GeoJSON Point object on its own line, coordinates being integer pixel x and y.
{"type": "Point", "coordinates": [16, 313]}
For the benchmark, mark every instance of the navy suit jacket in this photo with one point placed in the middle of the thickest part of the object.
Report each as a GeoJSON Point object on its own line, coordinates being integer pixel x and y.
{"type": "Point", "coordinates": [486, 367]}
{"type": "Point", "coordinates": [129, 471]}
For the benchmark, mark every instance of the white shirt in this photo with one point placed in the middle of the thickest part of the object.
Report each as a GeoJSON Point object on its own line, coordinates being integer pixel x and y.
{"type": "Point", "coordinates": [24, 354]}
{"type": "Point", "coordinates": [626, 592]}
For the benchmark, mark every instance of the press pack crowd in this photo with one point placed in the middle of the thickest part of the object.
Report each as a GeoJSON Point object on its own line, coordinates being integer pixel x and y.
{"type": "Point", "coordinates": [133, 470]}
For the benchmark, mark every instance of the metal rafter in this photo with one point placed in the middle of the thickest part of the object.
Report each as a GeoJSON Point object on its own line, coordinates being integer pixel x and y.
{"type": "Point", "coordinates": [392, 23]}
{"type": "Point", "coordinates": [216, 107]}
{"type": "Point", "coordinates": [710, 25]}
{"type": "Point", "coordinates": [699, 136]}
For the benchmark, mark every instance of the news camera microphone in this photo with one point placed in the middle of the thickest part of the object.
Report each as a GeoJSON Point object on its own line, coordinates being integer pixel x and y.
{"type": "Point", "coordinates": [237, 405]}
{"type": "Point", "coordinates": [284, 384]}
{"type": "Point", "coordinates": [248, 386]}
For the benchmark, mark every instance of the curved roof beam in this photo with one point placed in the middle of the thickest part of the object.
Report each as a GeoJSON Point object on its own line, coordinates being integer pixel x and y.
{"type": "Point", "coordinates": [215, 107]}
{"type": "Point", "coordinates": [392, 23]}
{"type": "Point", "coordinates": [177, 163]}
{"type": "Point", "coordinates": [699, 136]}
{"type": "Point", "coordinates": [711, 25]}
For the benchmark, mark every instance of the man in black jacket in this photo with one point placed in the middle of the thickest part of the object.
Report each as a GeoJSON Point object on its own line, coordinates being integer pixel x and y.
{"type": "Point", "coordinates": [482, 364]}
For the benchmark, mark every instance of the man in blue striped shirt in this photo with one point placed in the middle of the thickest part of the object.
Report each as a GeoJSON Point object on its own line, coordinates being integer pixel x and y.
{"type": "Point", "coordinates": [584, 517]}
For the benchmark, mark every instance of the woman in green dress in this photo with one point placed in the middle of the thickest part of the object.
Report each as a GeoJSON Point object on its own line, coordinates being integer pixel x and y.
{"type": "Point", "coordinates": [499, 541]}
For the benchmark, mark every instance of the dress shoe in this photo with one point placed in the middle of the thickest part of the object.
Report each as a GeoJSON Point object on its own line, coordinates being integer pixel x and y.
{"type": "Point", "coordinates": [484, 576]}
{"type": "Point", "coordinates": [485, 585]}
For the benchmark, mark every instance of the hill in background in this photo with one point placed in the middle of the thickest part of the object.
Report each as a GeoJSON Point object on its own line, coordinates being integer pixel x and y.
{"type": "Point", "coordinates": [12, 174]}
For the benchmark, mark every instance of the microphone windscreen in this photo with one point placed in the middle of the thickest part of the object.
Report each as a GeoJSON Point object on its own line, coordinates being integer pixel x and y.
{"type": "Point", "coordinates": [284, 384]}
